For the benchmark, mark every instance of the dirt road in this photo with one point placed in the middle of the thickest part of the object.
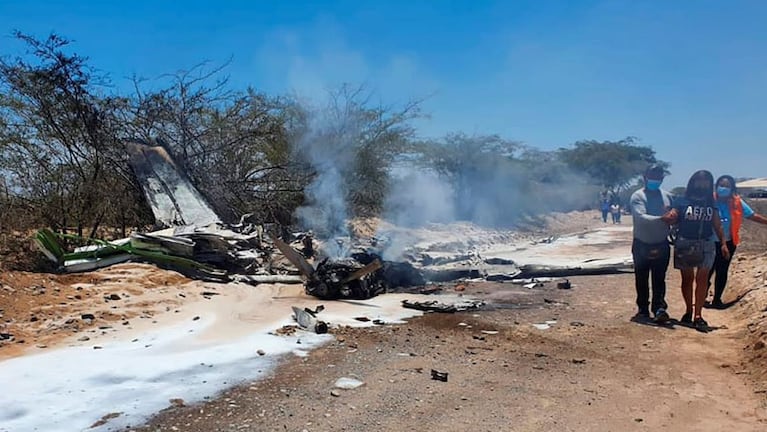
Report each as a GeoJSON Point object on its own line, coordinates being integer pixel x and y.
{"type": "Point", "coordinates": [592, 370]}
{"type": "Point", "coordinates": [536, 359]}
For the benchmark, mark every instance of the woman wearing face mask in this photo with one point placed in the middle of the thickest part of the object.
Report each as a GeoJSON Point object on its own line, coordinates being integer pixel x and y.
{"type": "Point", "coordinates": [697, 219]}
{"type": "Point", "coordinates": [732, 210]}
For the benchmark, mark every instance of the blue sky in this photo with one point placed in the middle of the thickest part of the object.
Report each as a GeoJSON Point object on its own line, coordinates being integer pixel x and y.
{"type": "Point", "coordinates": [687, 77]}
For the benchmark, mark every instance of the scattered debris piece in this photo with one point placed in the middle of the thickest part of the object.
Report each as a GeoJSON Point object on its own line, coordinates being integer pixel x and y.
{"type": "Point", "coordinates": [435, 306]}
{"type": "Point", "coordinates": [541, 280]}
{"type": "Point", "coordinates": [307, 319]}
{"type": "Point", "coordinates": [564, 285]}
{"type": "Point", "coordinates": [439, 376]}
{"type": "Point", "coordinates": [542, 326]}
{"type": "Point", "coordinates": [584, 269]}
{"type": "Point", "coordinates": [489, 332]}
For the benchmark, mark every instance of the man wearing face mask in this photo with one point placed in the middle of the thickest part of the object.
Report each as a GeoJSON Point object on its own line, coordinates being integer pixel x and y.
{"type": "Point", "coordinates": [732, 210]}
{"type": "Point", "coordinates": [650, 249]}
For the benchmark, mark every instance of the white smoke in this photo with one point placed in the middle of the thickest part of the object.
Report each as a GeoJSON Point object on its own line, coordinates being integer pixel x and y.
{"type": "Point", "coordinates": [329, 147]}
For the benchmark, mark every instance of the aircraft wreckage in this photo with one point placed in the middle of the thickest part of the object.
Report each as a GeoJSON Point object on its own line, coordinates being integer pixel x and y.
{"type": "Point", "coordinates": [198, 244]}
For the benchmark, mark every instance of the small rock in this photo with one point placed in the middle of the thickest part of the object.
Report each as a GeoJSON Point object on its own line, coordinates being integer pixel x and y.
{"type": "Point", "coordinates": [83, 339]}
{"type": "Point", "coordinates": [335, 393]}
{"type": "Point", "coordinates": [578, 361]}
{"type": "Point", "coordinates": [195, 318]}
{"type": "Point", "coordinates": [348, 383]}
{"type": "Point", "coordinates": [88, 316]}
{"type": "Point", "coordinates": [112, 297]}
{"type": "Point", "coordinates": [759, 345]}
{"type": "Point", "coordinates": [177, 402]}
{"type": "Point", "coordinates": [33, 319]}
{"type": "Point", "coordinates": [96, 347]}
{"type": "Point", "coordinates": [42, 346]}
{"type": "Point", "coordinates": [577, 324]}
{"type": "Point", "coordinates": [261, 352]}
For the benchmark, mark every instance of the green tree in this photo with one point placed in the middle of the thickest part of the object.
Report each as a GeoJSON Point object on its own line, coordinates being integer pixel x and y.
{"type": "Point", "coordinates": [611, 164]}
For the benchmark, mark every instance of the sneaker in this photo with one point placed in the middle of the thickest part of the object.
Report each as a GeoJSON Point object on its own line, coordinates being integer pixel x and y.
{"type": "Point", "coordinates": [700, 324]}
{"type": "Point", "coordinates": [686, 318]}
{"type": "Point", "coordinates": [643, 313]}
{"type": "Point", "coordinates": [717, 304]}
{"type": "Point", "coordinates": [661, 316]}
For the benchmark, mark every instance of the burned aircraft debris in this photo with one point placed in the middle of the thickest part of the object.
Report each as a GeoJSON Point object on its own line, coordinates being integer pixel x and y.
{"type": "Point", "coordinates": [443, 307]}
{"type": "Point", "coordinates": [307, 319]}
{"type": "Point", "coordinates": [346, 279]}
{"type": "Point", "coordinates": [173, 198]}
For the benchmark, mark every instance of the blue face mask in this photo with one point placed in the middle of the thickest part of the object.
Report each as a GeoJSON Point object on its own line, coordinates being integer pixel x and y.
{"type": "Point", "coordinates": [723, 192]}
{"type": "Point", "coordinates": [653, 185]}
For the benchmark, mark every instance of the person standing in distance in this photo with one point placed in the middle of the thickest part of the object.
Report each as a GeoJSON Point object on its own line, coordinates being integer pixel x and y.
{"type": "Point", "coordinates": [650, 249]}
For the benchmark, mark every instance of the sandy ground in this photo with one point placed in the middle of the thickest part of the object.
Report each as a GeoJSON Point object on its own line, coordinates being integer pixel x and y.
{"type": "Point", "coordinates": [42, 311]}
{"type": "Point", "coordinates": [591, 369]}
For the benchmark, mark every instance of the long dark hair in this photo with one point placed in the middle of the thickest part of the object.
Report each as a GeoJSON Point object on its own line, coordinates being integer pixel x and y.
{"type": "Point", "coordinates": [731, 180]}
{"type": "Point", "coordinates": [698, 176]}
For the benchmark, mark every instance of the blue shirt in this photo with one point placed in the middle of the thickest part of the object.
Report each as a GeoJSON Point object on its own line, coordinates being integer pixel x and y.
{"type": "Point", "coordinates": [724, 214]}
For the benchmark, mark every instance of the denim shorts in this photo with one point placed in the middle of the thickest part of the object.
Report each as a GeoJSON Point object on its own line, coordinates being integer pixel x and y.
{"type": "Point", "coordinates": [709, 256]}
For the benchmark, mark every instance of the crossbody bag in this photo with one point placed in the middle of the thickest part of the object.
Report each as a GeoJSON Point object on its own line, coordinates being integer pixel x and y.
{"type": "Point", "coordinates": [689, 253]}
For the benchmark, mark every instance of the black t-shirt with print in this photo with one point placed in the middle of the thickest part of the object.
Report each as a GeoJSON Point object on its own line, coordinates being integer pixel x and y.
{"type": "Point", "coordinates": [692, 214]}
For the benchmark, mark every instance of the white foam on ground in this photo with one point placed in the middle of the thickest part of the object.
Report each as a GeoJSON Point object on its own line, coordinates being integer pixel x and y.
{"type": "Point", "coordinates": [69, 389]}
{"type": "Point", "coordinates": [608, 245]}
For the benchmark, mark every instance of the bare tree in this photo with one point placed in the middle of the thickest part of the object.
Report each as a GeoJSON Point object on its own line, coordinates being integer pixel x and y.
{"type": "Point", "coordinates": [59, 141]}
